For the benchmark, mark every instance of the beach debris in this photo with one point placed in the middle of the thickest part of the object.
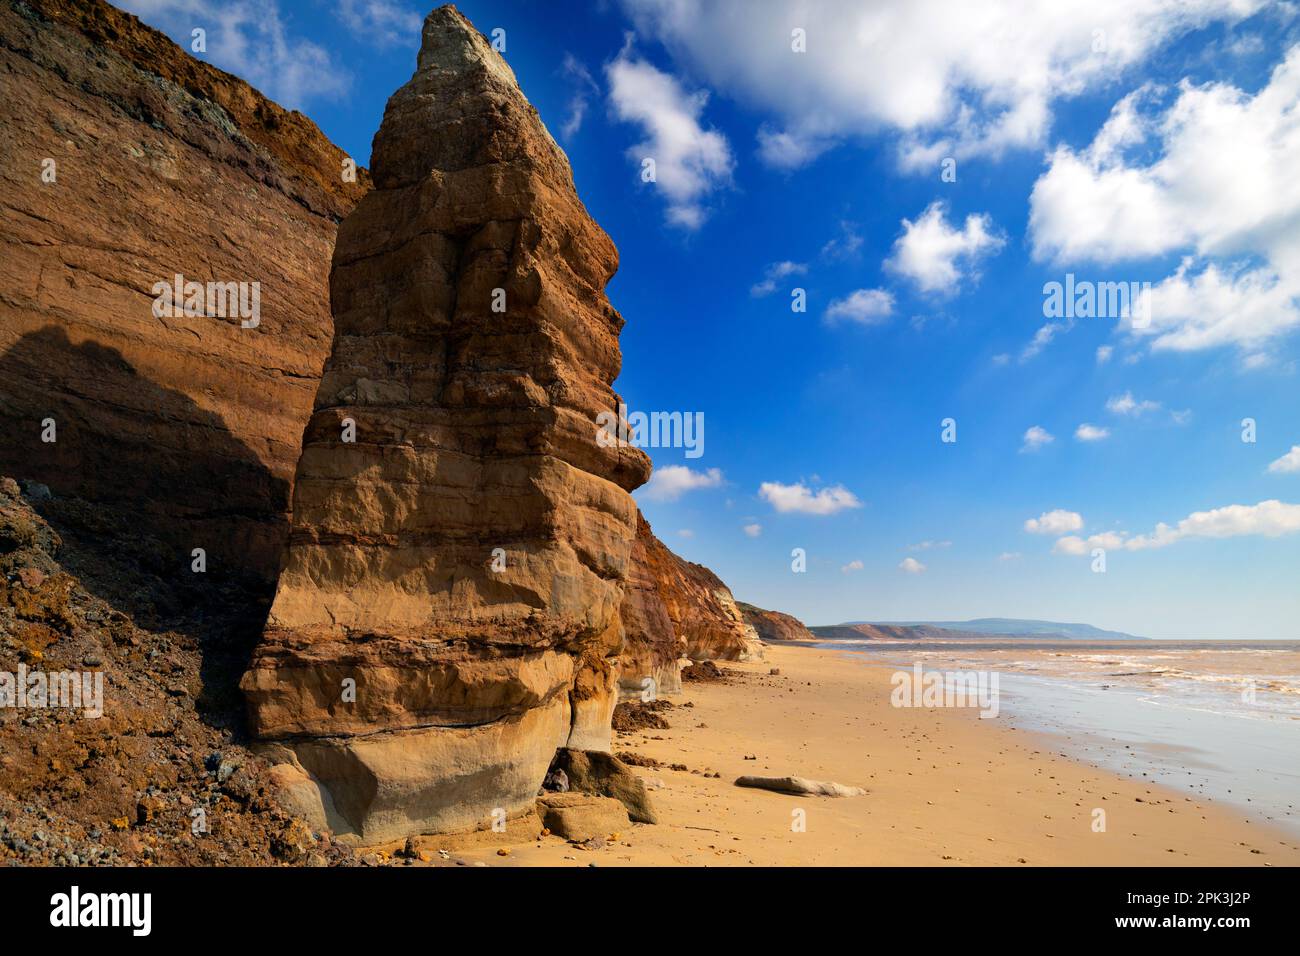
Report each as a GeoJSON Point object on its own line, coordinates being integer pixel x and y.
{"type": "Point", "coordinates": [799, 785]}
{"type": "Point", "coordinates": [702, 671]}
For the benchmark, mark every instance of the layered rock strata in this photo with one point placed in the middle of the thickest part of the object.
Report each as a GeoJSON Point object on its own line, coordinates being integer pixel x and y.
{"type": "Point", "coordinates": [674, 609]}
{"type": "Point", "coordinates": [448, 612]}
{"type": "Point", "coordinates": [125, 162]}
{"type": "Point", "coordinates": [774, 626]}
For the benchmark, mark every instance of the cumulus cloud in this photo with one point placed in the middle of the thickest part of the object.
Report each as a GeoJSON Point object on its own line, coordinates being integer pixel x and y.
{"type": "Point", "coordinates": [911, 565]}
{"type": "Point", "coordinates": [1210, 175]}
{"type": "Point", "coordinates": [251, 40]}
{"type": "Point", "coordinates": [774, 274]}
{"type": "Point", "coordinates": [1055, 522]}
{"type": "Point", "coordinates": [753, 530]}
{"type": "Point", "coordinates": [800, 499]}
{"type": "Point", "coordinates": [691, 162]}
{"type": "Point", "coordinates": [1035, 438]}
{"type": "Point", "coordinates": [852, 566]}
{"type": "Point", "coordinates": [1086, 432]}
{"type": "Point", "coordinates": [1290, 462]}
{"type": "Point", "coordinates": [937, 256]}
{"type": "Point", "coordinates": [1126, 404]}
{"type": "Point", "coordinates": [1104, 353]}
{"type": "Point", "coordinates": [947, 79]}
{"type": "Point", "coordinates": [672, 481]}
{"type": "Point", "coordinates": [1269, 519]}
{"type": "Point", "coordinates": [864, 306]}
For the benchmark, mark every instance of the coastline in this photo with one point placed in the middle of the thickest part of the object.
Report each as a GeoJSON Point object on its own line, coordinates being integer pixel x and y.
{"type": "Point", "coordinates": [944, 787]}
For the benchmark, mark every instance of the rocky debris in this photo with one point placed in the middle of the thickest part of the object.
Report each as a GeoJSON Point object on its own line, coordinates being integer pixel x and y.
{"type": "Point", "coordinates": [800, 786]}
{"type": "Point", "coordinates": [582, 817]}
{"type": "Point", "coordinates": [607, 776]}
{"type": "Point", "coordinates": [631, 716]}
{"type": "Point", "coordinates": [774, 626]}
{"type": "Point", "coordinates": [187, 425]}
{"type": "Point", "coordinates": [462, 560]}
{"type": "Point", "coordinates": [159, 778]}
{"type": "Point", "coordinates": [706, 623]}
{"type": "Point", "coordinates": [633, 759]}
{"type": "Point", "coordinates": [702, 672]}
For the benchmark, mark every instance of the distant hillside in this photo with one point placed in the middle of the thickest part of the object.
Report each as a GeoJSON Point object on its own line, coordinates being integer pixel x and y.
{"type": "Point", "coordinates": [980, 628]}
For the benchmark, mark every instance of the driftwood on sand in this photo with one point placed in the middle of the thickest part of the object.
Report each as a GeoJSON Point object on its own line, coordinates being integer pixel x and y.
{"type": "Point", "coordinates": [799, 785]}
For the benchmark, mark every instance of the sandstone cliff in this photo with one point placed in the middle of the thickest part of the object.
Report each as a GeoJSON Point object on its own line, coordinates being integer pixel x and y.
{"type": "Point", "coordinates": [775, 626]}
{"type": "Point", "coordinates": [124, 162]}
{"type": "Point", "coordinates": [448, 613]}
{"type": "Point", "coordinates": [672, 609]}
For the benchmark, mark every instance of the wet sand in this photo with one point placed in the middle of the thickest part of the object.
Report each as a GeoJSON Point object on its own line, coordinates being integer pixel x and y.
{"type": "Point", "coordinates": [945, 788]}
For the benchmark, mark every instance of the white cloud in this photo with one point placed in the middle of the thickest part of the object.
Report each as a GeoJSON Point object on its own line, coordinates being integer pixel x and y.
{"type": "Point", "coordinates": [1126, 404]}
{"type": "Point", "coordinates": [929, 545]}
{"type": "Point", "coordinates": [753, 530]}
{"type": "Point", "coordinates": [800, 499]}
{"type": "Point", "coordinates": [911, 565]}
{"type": "Point", "coordinates": [1009, 556]}
{"type": "Point", "coordinates": [852, 566]}
{"type": "Point", "coordinates": [685, 533]}
{"type": "Point", "coordinates": [864, 306]}
{"type": "Point", "coordinates": [949, 79]}
{"type": "Point", "coordinates": [1043, 337]}
{"type": "Point", "coordinates": [1269, 519]}
{"type": "Point", "coordinates": [1036, 437]}
{"type": "Point", "coordinates": [691, 162]}
{"type": "Point", "coordinates": [1055, 522]}
{"type": "Point", "coordinates": [1104, 353]}
{"type": "Point", "coordinates": [774, 274]}
{"type": "Point", "coordinates": [382, 22]}
{"type": "Point", "coordinates": [1086, 432]}
{"type": "Point", "coordinates": [250, 40]}
{"type": "Point", "coordinates": [672, 481]}
{"type": "Point", "coordinates": [937, 256]}
{"type": "Point", "coordinates": [584, 88]}
{"type": "Point", "coordinates": [845, 245]}
{"type": "Point", "coordinates": [1290, 462]}
{"type": "Point", "coordinates": [1210, 175]}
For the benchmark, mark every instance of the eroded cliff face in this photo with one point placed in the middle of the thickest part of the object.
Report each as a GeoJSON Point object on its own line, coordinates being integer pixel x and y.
{"type": "Point", "coordinates": [125, 162]}
{"type": "Point", "coordinates": [774, 626]}
{"type": "Point", "coordinates": [673, 608]}
{"type": "Point", "coordinates": [448, 612]}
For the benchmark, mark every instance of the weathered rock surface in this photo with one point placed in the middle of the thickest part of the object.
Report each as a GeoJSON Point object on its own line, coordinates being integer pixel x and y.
{"type": "Point", "coordinates": [461, 562]}
{"type": "Point", "coordinates": [580, 817]}
{"type": "Point", "coordinates": [774, 626]}
{"type": "Point", "coordinates": [161, 165]}
{"type": "Point", "coordinates": [800, 786]}
{"type": "Point", "coordinates": [688, 612]}
{"type": "Point", "coordinates": [603, 774]}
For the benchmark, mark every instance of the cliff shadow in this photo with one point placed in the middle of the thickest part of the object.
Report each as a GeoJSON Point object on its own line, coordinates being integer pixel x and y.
{"type": "Point", "coordinates": [138, 476]}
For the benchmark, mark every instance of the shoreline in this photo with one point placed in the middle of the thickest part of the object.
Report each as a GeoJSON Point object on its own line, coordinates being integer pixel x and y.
{"type": "Point", "coordinates": [943, 787]}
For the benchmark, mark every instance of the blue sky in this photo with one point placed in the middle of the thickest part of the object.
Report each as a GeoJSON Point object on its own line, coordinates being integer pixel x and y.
{"type": "Point", "coordinates": [1140, 141]}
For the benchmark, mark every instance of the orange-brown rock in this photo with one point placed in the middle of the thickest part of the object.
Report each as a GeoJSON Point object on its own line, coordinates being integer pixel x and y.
{"type": "Point", "coordinates": [672, 609]}
{"type": "Point", "coordinates": [774, 626]}
{"type": "Point", "coordinates": [124, 162]}
{"type": "Point", "coordinates": [448, 611]}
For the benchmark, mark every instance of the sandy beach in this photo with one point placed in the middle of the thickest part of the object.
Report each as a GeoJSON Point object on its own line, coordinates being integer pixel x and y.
{"type": "Point", "coordinates": [944, 787]}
